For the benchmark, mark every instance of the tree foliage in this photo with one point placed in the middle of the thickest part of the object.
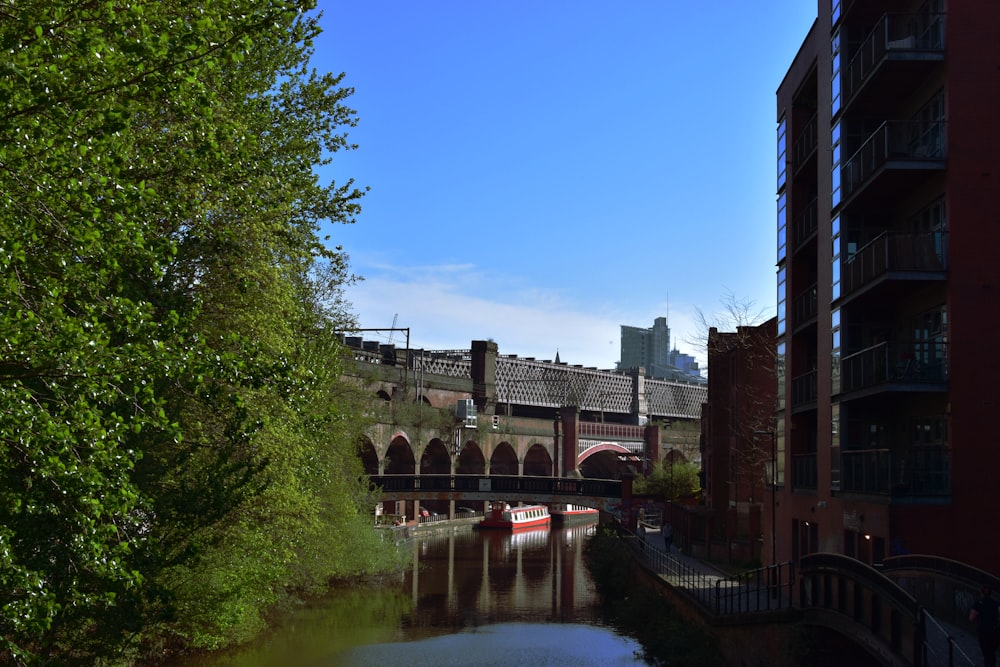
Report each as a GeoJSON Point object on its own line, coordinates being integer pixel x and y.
{"type": "Point", "coordinates": [177, 452]}
{"type": "Point", "coordinates": [671, 481]}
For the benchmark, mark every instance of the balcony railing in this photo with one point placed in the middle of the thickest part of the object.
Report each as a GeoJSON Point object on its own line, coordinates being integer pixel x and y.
{"type": "Point", "coordinates": [865, 471]}
{"type": "Point", "coordinates": [895, 140]}
{"type": "Point", "coordinates": [895, 252]}
{"type": "Point", "coordinates": [882, 364]}
{"type": "Point", "coordinates": [804, 471]}
{"type": "Point", "coordinates": [804, 307]}
{"type": "Point", "coordinates": [804, 389]}
{"type": "Point", "coordinates": [805, 224]}
{"type": "Point", "coordinates": [894, 35]}
{"type": "Point", "coordinates": [916, 471]}
{"type": "Point", "coordinates": [805, 144]}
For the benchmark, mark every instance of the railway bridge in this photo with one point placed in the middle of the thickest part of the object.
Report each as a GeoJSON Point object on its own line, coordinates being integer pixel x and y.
{"type": "Point", "coordinates": [476, 412]}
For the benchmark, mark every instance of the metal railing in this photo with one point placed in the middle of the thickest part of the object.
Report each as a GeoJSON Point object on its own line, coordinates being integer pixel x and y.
{"type": "Point", "coordinates": [804, 389]}
{"type": "Point", "coordinates": [897, 34]}
{"type": "Point", "coordinates": [915, 471]}
{"type": "Point", "coordinates": [895, 252]}
{"type": "Point", "coordinates": [941, 646]}
{"type": "Point", "coordinates": [805, 143]}
{"type": "Point", "coordinates": [806, 223]}
{"type": "Point", "coordinates": [919, 362]}
{"type": "Point", "coordinates": [804, 475]}
{"type": "Point", "coordinates": [764, 589]}
{"type": "Point", "coordinates": [804, 307]}
{"type": "Point", "coordinates": [562, 486]}
{"type": "Point", "coordinates": [893, 140]}
{"type": "Point", "coordinates": [865, 471]}
{"type": "Point", "coordinates": [761, 590]}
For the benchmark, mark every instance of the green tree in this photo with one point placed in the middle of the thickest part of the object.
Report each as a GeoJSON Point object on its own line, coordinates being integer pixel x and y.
{"type": "Point", "coordinates": [671, 481]}
{"type": "Point", "coordinates": [176, 449]}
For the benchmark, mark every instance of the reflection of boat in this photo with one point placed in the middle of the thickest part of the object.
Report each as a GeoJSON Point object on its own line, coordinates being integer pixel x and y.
{"type": "Point", "coordinates": [569, 514]}
{"type": "Point", "coordinates": [504, 517]}
{"type": "Point", "coordinates": [529, 538]}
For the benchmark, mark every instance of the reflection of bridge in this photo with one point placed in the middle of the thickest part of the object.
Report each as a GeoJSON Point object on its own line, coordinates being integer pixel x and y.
{"type": "Point", "coordinates": [603, 494]}
{"type": "Point", "coordinates": [910, 612]}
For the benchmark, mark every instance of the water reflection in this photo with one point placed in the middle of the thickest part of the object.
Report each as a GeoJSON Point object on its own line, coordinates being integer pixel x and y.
{"type": "Point", "coordinates": [474, 578]}
{"type": "Point", "coordinates": [470, 598]}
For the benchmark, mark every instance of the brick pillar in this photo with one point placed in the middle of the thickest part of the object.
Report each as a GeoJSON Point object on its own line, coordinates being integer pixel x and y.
{"type": "Point", "coordinates": [639, 407]}
{"type": "Point", "coordinates": [651, 434]}
{"type": "Point", "coordinates": [484, 376]}
{"type": "Point", "coordinates": [569, 417]}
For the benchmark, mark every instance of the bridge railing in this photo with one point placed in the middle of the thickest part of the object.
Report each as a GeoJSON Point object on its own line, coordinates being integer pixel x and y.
{"type": "Point", "coordinates": [608, 488]}
{"type": "Point", "coordinates": [872, 608]}
{"type": "Point", "coordinates": [765, 589]}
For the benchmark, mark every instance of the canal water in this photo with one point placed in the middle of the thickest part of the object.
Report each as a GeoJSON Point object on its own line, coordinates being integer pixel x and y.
{"type": "Point", "coordinates": [471, 598]}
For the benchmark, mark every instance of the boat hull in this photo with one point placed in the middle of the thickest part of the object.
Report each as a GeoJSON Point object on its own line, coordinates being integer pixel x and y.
{"type": "Point", "coordinates": [515, 519]}
{"type": "Point", "coordinates": [573, 514]}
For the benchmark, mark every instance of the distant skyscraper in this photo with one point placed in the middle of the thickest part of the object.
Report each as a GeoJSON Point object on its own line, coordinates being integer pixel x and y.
{"type": "Point", "coordinates": [649, 348]}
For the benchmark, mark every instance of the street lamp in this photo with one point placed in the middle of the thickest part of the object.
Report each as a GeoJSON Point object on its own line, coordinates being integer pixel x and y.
{"type": "Point", "coordinates": [773, 475]}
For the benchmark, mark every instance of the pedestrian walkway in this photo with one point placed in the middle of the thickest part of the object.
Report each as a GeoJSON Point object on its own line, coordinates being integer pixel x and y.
{"type": "Point", "coordinates": [719, 593]}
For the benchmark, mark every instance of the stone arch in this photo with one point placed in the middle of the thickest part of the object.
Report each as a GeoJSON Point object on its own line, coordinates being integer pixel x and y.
{"type": "Point", "coordinates": [435, 459]}
{"type": "Point", "coordinates": [384, 395]}
{"type": "Point", "coordinates": [368, 455]}
{"type": "Point", "coordinates": [504, 460]}
{"type": "Point", "coordinates": [674, 456]}
{"type": "Point", "coordinates": [537, 462]}
{"type": "Point", "coordinates": [471, 460]}
{"type": "Point", "coordinates": [399, 457]}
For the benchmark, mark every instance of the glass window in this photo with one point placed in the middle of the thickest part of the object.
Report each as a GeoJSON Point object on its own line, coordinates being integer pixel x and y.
{"type": "Point", "coordinates": [835, 74]}
{"type": "Point", "coordinates": [834, 12]}
{"type": "Point", "coordinates": [782, 223]}
{"type": "Point", "coordinates": [835, 166]}
{"type": "Point", "coordinates": [782, 152]}
{"type": "Point", "coordinates": [835, 351]}
{"type": "Point", "coordinates": [779, 371]}
{"type": "Point", "coordinates": [835, 447]}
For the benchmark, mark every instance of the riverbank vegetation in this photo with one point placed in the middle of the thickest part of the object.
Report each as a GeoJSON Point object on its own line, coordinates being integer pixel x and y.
{"type": "Point", "coordinates": [640, 612]}
{"type": "Point", "coordinates": [178, 455]}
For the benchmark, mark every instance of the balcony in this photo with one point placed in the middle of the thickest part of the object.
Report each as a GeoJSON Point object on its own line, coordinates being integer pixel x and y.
{"type": "Point", "coordinates": [804, 226]}
{"type": "Point", "coordinates": [804, 389]}
{"type": "Point", "coordinates": [804, 308]}
{"type": "Point", "coordinates": [898, 256]}
{"type": "Point", "coordinates": [899, 51]}
{"type": "Point", "coordinates": [905, 367]}
{"type": "Point", "coordinates": [918, 471]}
{"type": "Point", "coordinates": [896, 151]}
{"type": "Point", "coordinates": [804, 472]}
{"type": "Point", "coordinates": [805, 144]}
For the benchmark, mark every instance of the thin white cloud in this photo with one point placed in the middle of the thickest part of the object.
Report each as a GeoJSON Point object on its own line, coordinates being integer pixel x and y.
{"type": "Point", "coordinates": [447, 307]}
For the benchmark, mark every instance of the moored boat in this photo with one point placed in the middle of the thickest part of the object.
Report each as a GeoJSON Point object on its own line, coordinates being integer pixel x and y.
{"type": "Point", "coordinates": [504, 517]}
{"type": "Point", "coordinates": [566, 513]}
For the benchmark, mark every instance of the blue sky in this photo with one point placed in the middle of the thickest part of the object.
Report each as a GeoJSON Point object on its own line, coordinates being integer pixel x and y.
{"type": "Point", "coordinates": [544, 172]}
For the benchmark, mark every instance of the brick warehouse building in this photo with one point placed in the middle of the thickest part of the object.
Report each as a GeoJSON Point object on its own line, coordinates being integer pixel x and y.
{"type": "Point", "coordinates": [888, 224]}
{"type": "Point", "coordinates": [736, 453]}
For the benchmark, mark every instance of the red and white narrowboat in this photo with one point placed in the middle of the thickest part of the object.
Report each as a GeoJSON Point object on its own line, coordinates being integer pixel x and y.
{"type": "Point", "coordinates": [571, 514]}
{"type": "Point", "coordinates": [504, 517]}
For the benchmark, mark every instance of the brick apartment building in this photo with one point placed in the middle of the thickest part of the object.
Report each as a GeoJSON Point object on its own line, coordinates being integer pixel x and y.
{"type": "Point", "coordinates": [888, 229]}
